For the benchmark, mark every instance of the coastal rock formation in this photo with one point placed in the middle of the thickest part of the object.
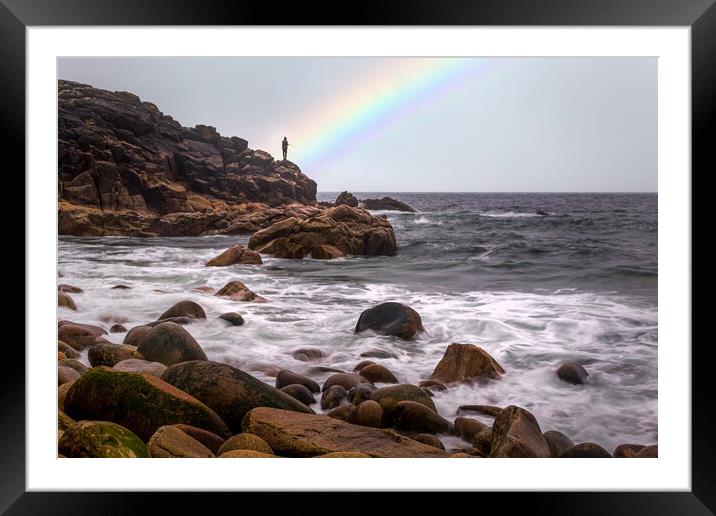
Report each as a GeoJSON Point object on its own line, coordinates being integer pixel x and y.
{"type": "Point", "coordinates": [332, 233]}
{"type": "Point", "coordinates": [466, 362]}
{"type": "Point", "coordinates": [293, 434]}
{"type": "Point", "coordinates": [235, 254]}
{"type": "Point", "coordinates": [390, 319]}
{"type": "Point", "coordinates": [386, 203]}
{"type": "Point", "coordinates": [573, 373]}
{"type": "Point", "coordinates": [124, 166]}
{"type": "Point", "coordinates": [347, 198]}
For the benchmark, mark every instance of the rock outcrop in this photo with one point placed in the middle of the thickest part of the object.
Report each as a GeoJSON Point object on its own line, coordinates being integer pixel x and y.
{"type": "Point", "coordinates": [386, 203]}
{"type": "Point", "coordinates": [332, 233]}
{"type": "Point", "coordinates": [125, 168]}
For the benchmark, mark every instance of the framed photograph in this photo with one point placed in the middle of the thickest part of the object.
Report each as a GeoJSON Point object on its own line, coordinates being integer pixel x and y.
{"type": "Point", "coordinates": [411, 235]}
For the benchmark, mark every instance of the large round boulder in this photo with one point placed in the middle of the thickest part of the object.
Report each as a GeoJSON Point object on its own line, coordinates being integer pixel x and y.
{"type": "Point", "coordinates": [377, 373]}
{"type": "Point", "coordinates": [136, 334]}
{"type": "Point", "coordinates": [140, 402]}
{"type": "Point", "coordinates": [572, 372]}
{"type": "Point", "coordinates": [101, 439]}
{"type": "Point", "coordinates": [345, 380]}
{"type": "Point", "coordinates": [79, 336]}
{"type": "Point", "coordinates": [245, 441]}
{"type": "Point", "coordinates": [466, 362]}
{"type": "Point", "coordinates": [185, 308]}
{"type": "Point", "coordinates": [169, 343]}
{"type": "Point", "coordinates": [391, 318]}
{"type": "Point", "coordinates": [230, 392]}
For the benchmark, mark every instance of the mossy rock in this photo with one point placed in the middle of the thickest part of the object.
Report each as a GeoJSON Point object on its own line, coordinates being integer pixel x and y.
{"type": "Point", "coordinates": [102, 439]}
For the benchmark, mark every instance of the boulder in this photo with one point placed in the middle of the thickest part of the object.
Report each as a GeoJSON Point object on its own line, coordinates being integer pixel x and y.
{"type": "Point", "coordinates": [68, 350]}
{"type": "Point", "coordinates": [387, 204]}
{"type": "Point", "coordinates": [170, 343]}
{"type": "Point", "coordinates": [483, 441]}
{"type": "Point", "coordinates": [135, 335]}
{"type": "Point", "coordinates": [66, 375]}
{"type": "Point", "coordinates": [286, 377]}
{"type": "Point", "coordinates": [466, 362]}
{"type": "Point", "coordinates": [294, 434]}
{"type": "Point", "coordinates": [516, 433]}
{"type": "Point", "coordinates": [62, 394]}
{"type": "Point", "coordinates": [487, 410]}
{"type": "Point", "coordinates": [648, 452]}
{"type": "Point", "coordinates": [245, 441]}
{"type": "Point", "coordinates": [233, 318]}
{"type": "Point", "coordinates": [73, 363]}
{"type": "Point", "coordinates": [235, 254]}
{"type": "Point", "coordinates": [138, 365]}
{"type": "Point", "coordinates": [344, 455]}
{"type": "Point", "coordinates": [389, 397]}
{"type": "Point", "coordinates": [360, 393]}
{"type": "Point", "coordinates": [209, 439]}
{"type": "Point", "coordinates": [101, 439]}
{"type": "Point", "coordinates": [430, 440]}
{"type": "Point", "coordinates": [558, 443]}
{"type": "Point", "coordinates": [140, 402]}
{"type": "Point", "coordinates": [627, 450]}
{"type": "Point", "coordinates": [308, 354]}
{"type": "Point", "coordinates": [69, 289]}
{"type": "Point", "coordinates": [245, 454]}
{"type": "Point", "coordinates": [237, 291]}
{"type": "Point", "coordinates": [66, 301]}
{"type": "Point", "coordinates": [299, 392]}
{"type": "Point", "coordinates": [79, 336]}
{"type": "Point", "coordinates": [345, 380]}
{"type": "Point", "coordinates": [361, 365]}
{"type": "Point", "coordinates": [184, 308]}
{"type": "Point", "coordinates": [169, 442]}
{"type": "Point", "coordinates": [377, 353]}
{"type": "Point", "coordinates": [352, 231]}
{"type": "Point", "coordinates": [369, 413]}
{"type": "Point", "coordinates": [586, 451]}
{"type": "Point", "coordinates": [343, 412]}
{"type": "Point", "coordinates": [333, 397]}
{"type": "Point", "coordinates": [467, 428]}
{"type": "Point", "coordinates": [117, 328]}
{"type": "Point", "coordinates": [377, 373]}
{"type": "Point", "coordinates": [391, 319]}
{"type": "Point", "coordinates": [573, 373]}
{"type": "Point", "coordinates": [228, 391]}
{"type": "Point", "coordinates": [120, 287]}
{"type": "Point", "coordinates": [326, 252]}
{"type": "Point", "coordinates": [111, 354]}
{"type": "Point", "coordinates": [433, 385]}
{"type": "Point", "coordinates": [412, 416]}
{"type": "Point", "coordinates": [347, 198]}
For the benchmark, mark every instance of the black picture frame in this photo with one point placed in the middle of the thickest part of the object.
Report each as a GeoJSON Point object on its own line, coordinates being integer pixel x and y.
{"type": "Point", "coordinates": [700, 15]}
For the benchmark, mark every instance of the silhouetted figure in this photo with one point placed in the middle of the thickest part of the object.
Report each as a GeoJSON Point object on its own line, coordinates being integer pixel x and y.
{"type": "Point", "coordinates": [284, 146]}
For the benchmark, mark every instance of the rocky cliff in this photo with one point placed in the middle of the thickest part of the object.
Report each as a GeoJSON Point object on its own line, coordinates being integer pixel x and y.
{"type": "Point", "coordinates": [126, 168]}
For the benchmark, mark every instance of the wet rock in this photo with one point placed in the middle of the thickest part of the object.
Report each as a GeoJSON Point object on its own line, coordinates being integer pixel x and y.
{"type": "Point", "coordinates": [648, 452]}
{"type": "Point", "coordinates": [466, 428]}
{"type": "Point", "coordinates": [487, 410]}
{"type": "Point", "coordinates": [361, 365]}
{"type": "Point", "coordinates": [346, 380]}
{"type": "Point", "coordinates": [308, 354]}
{"type": "Point", "coordinates": [430, 440]}
{"type": "Point", "coordinates": [237, 291]}
{"type": "Point", "coordinates": [66, 375]}
{"type": "Point", "coordinates": [573, 373]}
{"type": "Point", "coordinates": [377, 373]}
{"type": "Point", "coordinates": [62, 394]}
{"type": "Point", "coordinates": [101, 439]}
{"type": "Point", "coordinates": [245, 454]}
{"type": "Point", "coordinates": [387, 204]}
{"type": "Point", "coordinates": [344, 455]}
{"type": "Point", "coordinates": [121, 287]}
{"type": "Point", "coordinates": [299, 392]}
{"type": "Point", "coordinates": [66, 301]}
{"type": "Point", "coordinates": [466, 362]}
{"type": "Point", "coordinates": [628, 450]}
{"type": "Point", "coordinates": [377, 353]}
{"type": "Point", "coordinates": [69, 289]}
{"type": "Point", "coordinates": [184, 308]}
{"type": "Point", "coordinates": [389, 397]}
{"type": "Point", "coordinates": [324, 369]}
{"type": "Point", "coordinates": [140, 402]}
{"type": "Point", "coordinates": [326, 252]}
{"type": "Point", "coordinates": [293, 434]}
{"type": "Point", "coordinates": [416, 417]}
{"type": "Point", "coordinates": [460, 455]}
{"type": "Point", "coordinates": [169, 442]}
{"type": "Point", "coordinates": [138, 365]}
{"type": "Point", "coordinates": [236, 254]}
{"type": "Point", "coordinates": [233, 318]}
{"type": "Point", "coordinates": [169, 343]}
{"type": "Point", "coordinates": [209, 439]}
{"type": "Point", "coordinates": [286, 377]}
{"type": "Point", "coordinates": [181, 320]}
{"type": "Point", "coordinates": [433, 385]}
{"type": "Point", "coordinates": [483, 441]}
{"type": "Point", "coordinates": [360, 393]}
{"type": "Point", "coordinates": [245, 441]}
{"type": "Point", "coordinates": [333, 396]}
{"type": "Point", "coordinates": [228, 391]}
{"type": "Point", "coordinates": [352, 231]}
{"type": "Point", "coordinates": [586, 450]}
{"type": "Point", "coordinates": [516, 433]}
{"type": "Point", "coordinates": [347, 198]}
{"type": "Point", "coordinates": [369, 413]}
{"type": "Point", "coordinates": [117, 328]}
{"type": "Point", "coordinates": [110, 354]}
{"type": "Point", "coordinates": [343, 412]}
{"type": "Point", "coordinates": [68, 350]}
{"type": "Point", "coordinates": [394, 319]}
{"type": "Point", "coordinates": [79, 336]}
{"type": "Point", "coordinates": [558, 443]}
{"type": "Point", "coordinates": [73, 363]}
{"type": "Point", "coordinates": [135, 335]}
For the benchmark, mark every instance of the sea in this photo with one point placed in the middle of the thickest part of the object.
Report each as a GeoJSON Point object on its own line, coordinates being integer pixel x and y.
{"type": "Point", "coordinates": [534, 279]}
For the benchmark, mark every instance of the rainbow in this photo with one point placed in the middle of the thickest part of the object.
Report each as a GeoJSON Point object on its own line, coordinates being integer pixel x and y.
{"type": "Point", "coordinates": [400, 88]}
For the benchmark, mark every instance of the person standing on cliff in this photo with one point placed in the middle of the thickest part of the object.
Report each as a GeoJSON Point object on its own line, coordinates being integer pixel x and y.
{"type": "Point", "coordinates": [284, 146]}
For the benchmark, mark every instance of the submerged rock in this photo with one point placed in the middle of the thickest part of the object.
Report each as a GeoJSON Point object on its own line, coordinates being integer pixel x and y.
{"type": "Point", "coordinates": [573, 373]}
{"type": "Point", "coordinates": [299, 392]}
{"type": "Point", "coordinates": [391, 319]}
{"type": "Point", "coordinates": [466, 362]}
{"type": "Point", "coordinates": [233, 318]}
{"type": "Point", "coordinates": [185, 308]}
{"type": "Point", "coordinates": [101, 439]}
{"type": "Point", "coordinates": [237, 291]}
{"type": "Point", "coordinates": [236, 254]}
{"type": "Point", "coordinates": [308, 354]}
{"type": "Point", "coordinates": [388, 204]}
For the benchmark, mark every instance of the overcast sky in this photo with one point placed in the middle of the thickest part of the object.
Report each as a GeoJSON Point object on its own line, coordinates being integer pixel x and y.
{"type": "Point", "coordinates": [401, 124]}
